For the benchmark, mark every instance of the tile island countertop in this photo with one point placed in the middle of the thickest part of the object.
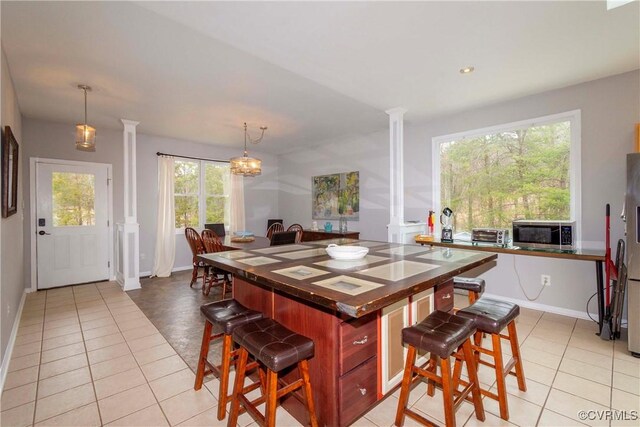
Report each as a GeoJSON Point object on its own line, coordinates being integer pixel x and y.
{"type": "Point", "coordinates": [388, 273]}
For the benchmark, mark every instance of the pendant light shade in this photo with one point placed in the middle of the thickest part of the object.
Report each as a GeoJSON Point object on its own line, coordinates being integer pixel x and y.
{"type": "Point", "coordinates": [245, 165]}
{"type": "Point", "coordinates": [85, 134]}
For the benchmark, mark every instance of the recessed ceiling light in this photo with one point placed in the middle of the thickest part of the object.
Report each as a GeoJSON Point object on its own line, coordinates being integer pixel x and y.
{"type": "Point", "coordinates": [466, 70]}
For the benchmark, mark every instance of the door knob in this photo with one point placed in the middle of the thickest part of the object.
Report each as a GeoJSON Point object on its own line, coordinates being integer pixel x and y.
{"type": "Point", "coordinates": [42, 233]}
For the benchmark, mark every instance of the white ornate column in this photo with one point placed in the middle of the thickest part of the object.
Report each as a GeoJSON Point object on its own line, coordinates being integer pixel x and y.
{"type": "Point", "coordinates": [396, 172]}
{"type": "Point", "coordinates": [128, 234]}
{"type": "Point", "coordinates": [398, 230]}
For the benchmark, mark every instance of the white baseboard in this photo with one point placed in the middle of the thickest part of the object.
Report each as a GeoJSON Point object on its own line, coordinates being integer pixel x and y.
{"type": "Point", "coordinates": [544, 307]}
{"type": "Point", "coordinates": [12, 341]}
{"type": "Point", "coordinates": [174, 270]}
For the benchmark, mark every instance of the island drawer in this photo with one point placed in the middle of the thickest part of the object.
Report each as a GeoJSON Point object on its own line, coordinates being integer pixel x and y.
{"type": "Point", "coordinates": [358, 391]}
{"type": "Point", "coordinates": [444, 296]}
{"type": "Point", "coordinates": [358, 341]}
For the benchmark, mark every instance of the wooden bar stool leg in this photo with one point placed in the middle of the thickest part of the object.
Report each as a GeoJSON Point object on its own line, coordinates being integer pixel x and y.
{"type": "Point", "coordinates": [406, 384]}
{"type": "Point", "coordinates": [515, 353]}
{"type": "Point", "coordinates": [303, 367]}
{"type": "Point", "coordinates": [447, 392]}
{"type": "Point", "coordinates": [271, 398]}
{"type": "Point", "coordinates": [477, 341]}
{"type": "Point", "coordinates": [457, 372]}
{"type": "Point", "coordinates": [204, 352]}
{"type": "Point", "coordinates": [500, 378]}
{"type": "Point", "coordinates": [241, 366]}
{"type": "Point", "coordinates": [433, 367]}
{"type": "Point", "coordinates": [472, 373]}
{"type": "Point", "coordinates": [472, 297]}
{"type": "Point", "coordinates": [223, 393]}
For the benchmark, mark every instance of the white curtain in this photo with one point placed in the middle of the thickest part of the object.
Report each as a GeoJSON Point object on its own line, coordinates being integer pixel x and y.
{"type": "Point", "coordinates": [236, 196]}
{"type": "Point", "coordinates": [165, 254]}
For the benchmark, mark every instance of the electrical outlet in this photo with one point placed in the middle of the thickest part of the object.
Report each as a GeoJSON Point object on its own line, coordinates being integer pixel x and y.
{"type": "Point", "coordinates": [143, 255]}
{"type": "Point", "coordinates": [545, 280]}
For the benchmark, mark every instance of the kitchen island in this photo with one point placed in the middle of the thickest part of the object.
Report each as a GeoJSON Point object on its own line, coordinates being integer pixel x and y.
{"type": "Point", "coordinates": [353, 310]}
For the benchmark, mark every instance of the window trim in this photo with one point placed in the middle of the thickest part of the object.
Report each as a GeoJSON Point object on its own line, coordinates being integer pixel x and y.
{"type": "Point", "coordinates": [202, 193]}
{"type": "Point", "coordinates": [575, 158]}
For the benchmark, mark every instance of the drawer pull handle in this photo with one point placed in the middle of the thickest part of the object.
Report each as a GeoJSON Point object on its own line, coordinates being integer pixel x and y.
{"type": "Point", "coordinates": [447, 296]}
{"type": "Point", "coordinates": [362, 341]}
{"type": "Point", "coordinates": [363, 391]}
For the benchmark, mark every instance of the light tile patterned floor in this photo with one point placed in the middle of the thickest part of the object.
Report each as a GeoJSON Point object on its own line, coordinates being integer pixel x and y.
{"type": "Point", "coordinates": [86, 355]}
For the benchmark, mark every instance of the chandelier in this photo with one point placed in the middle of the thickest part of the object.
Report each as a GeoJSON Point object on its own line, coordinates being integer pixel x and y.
{"type": "Point", "coordinates": [85, 134]}
{"type": "Point", "coordinates": [245, 165]}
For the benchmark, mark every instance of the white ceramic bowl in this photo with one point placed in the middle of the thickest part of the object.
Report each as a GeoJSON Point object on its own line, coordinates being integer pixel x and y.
{"type": "Point", "coordinates": [346, 252]}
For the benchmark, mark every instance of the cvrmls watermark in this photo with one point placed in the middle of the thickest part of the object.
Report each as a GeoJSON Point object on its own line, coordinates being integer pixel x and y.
{"type": "Point", "coordinates": [609, 415]}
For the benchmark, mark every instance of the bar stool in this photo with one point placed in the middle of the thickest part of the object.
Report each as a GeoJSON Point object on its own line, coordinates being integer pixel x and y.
{"type": "Point", "coordinates": [474, 285]}
{"type": "Point", "coordinates": [226, 316]}
{"type": "Point", "coordinates": [491, 316]}
{"type": "Point", "coordinates": [275, 348]}
{"type": "Point", "coordinates": [444, 335]}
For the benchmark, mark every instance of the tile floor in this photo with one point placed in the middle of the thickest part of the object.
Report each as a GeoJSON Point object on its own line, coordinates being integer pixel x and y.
{"type": "Point", "coordinates": [87, 355]}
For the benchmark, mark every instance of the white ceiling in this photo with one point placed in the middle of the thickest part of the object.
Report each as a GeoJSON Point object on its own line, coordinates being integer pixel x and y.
{"type": "Point", "coordinates": [310, 71]}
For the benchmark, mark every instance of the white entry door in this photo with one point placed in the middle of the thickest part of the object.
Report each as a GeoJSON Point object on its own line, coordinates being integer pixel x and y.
{"type": "Point", "coordinates": [72, 230]}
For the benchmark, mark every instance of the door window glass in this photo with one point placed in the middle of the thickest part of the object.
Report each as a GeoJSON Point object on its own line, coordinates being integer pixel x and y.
{"type": "Point", "coordinates": [73, 199]}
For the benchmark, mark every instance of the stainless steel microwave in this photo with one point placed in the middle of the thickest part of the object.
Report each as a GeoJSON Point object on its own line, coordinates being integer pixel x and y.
{"type": "Point", "coordinates": [544, 234]}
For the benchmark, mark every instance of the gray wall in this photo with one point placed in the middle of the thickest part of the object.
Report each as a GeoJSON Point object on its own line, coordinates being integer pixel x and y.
{"type": "Point", "coordinates": [610, 108]}
{"type": "Point", "coordinates": [261, 192]}
{"type": "Point", "coordinates": [47, 139]}
{"type": "Point", "coordinates": [11, 276]}
{"type": "Point", "coordinates": [369, 154]}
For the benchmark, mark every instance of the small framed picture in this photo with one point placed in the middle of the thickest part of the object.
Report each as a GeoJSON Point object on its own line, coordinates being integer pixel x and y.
{"type": "Point", "coordinates": [9, 173]}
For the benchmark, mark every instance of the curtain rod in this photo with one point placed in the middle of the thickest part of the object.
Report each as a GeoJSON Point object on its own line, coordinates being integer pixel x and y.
{"type": "Point", "coordinates": [193, 158]}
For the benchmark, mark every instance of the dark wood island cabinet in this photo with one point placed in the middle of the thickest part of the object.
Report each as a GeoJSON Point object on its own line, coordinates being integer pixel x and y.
{"type": "Point", "coordinates": [353, 310]}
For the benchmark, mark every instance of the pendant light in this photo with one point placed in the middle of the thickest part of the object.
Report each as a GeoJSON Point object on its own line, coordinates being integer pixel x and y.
{"type": "Point", "coordinates": [245, 165]}
{"type": "Point", "coordinates": [85, 134]}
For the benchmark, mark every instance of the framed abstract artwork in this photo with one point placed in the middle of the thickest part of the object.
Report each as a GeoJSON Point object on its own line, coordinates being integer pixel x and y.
{"type": "Point", "coordinates": [9, 173]}
{"type": "Point", "coordinates": [336, 195]}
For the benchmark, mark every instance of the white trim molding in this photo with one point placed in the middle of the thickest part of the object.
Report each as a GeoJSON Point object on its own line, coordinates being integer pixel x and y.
{"type": "Point", "coordinates": [396, 173]}
{"type": "Point", "coordinates": [128, 233]}
{"type": "Point", "coordinates": [4, 368]}
{"type": "Point", "coordinates": [575, 160]}
{"type": "Point", "coordinates": [544, 307]}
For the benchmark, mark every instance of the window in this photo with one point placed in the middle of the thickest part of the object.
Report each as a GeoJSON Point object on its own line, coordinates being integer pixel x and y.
{"type": "Point", "coordinates": [525, 170]}
{"type": "Point", "coordinates": [201, 193]}
{"type": "Point", "coordinates": [73, 199]}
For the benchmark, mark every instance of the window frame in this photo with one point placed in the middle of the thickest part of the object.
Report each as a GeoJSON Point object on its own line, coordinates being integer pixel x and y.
{"type": "Point", "coordinates": [202, 193]}
{"type": "Point", "coordinates": [575, 165]}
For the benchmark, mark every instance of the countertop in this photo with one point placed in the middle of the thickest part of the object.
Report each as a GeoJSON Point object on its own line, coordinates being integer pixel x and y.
{"type": "Point", "coordinates": [389, 272]}
{"type": "Point", "coordinates": [576, 254]}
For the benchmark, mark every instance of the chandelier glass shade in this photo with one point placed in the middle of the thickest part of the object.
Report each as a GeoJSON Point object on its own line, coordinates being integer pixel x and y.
{"type": "Point", "coordinates": [85, 134]}
{"type": "Point", "coordinates": [245, 165]}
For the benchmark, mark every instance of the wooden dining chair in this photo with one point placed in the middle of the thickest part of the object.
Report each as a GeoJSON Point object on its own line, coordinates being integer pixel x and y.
{"type": "Point", "coordinates": [217, 228]}
{"type": "Point", "coordinates": [197, 248]}
{"type": "Point", "coordinates": [283, 238]}
{"type": "Point", "coordinates": [298, 229]}
{"type": "Point", "coordinates": [274, 228]}
{"type": "Point", "coordinates": [215, 276]}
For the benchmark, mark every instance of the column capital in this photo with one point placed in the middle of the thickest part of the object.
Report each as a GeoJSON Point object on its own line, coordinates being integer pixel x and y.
{"type": "Point", "coordinates": [398, 111]}
{"type": "Point", "coordinates": [126, 122]}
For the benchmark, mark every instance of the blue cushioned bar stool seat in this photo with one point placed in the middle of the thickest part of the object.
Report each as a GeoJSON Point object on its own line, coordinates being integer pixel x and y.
{"type": "Point", "coordinates": [275, 348]}
{"type": "Point", "coordinates": [491, 316]}
{"type": "Point", "coordinates": [443, 335]}
{"type": "Point", "coordinates": [225, 316]}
